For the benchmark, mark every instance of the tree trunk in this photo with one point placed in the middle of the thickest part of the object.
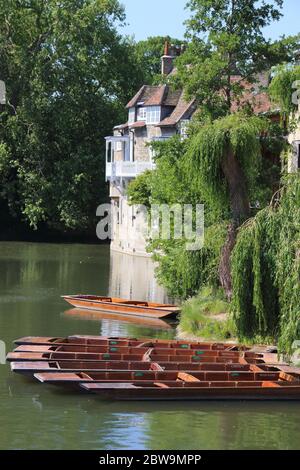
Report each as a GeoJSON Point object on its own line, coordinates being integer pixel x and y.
{"type": "Point", "coordinates": [238, 194]}
{"type": "Point", "coordinates": [224, 266]}
{"type": "Point", "coordinates": [240, 210]}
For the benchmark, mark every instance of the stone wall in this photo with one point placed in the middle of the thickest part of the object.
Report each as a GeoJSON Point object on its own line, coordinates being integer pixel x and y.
{"type": "Point", "coordinates": [129, 228]}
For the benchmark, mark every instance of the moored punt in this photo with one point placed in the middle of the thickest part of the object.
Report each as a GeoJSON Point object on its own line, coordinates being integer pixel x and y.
{"type": "Point", "coordinates": [30, 368]}
{"type": "Point", "coordinates": [148, 355]}
{"type": "Point", "coordinates": [142, 348]}
{"type": "Point", "coordinates": [126, 342]}
{"type": "Point", "coordinates": [123, 306]}
{"type": "Point", "coordinates": [122, 347]}
{"type": "Point", "coordinates": [73, 379]}
{"type": "Point", "coordinates": [231, 390]}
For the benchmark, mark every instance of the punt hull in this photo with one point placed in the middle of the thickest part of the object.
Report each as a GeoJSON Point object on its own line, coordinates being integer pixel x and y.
{"type": "Point", "coordinates": [79, 340]}
{"type": "Point", "coordinates": [132, 393]}
{"type": "Point", "coordinates": [219, 378]}
{"type": "Point", "coordinates": [152, 356]}
{"type": "Point", "coordinates": [28, 368]}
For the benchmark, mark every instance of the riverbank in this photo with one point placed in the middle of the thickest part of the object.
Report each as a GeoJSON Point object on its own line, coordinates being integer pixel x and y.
{"type": "Point", "coordinates": [207, 316]}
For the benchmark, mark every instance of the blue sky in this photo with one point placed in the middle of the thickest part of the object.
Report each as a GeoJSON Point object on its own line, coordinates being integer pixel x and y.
{"type": "Point", "coordinates": [165, 17]}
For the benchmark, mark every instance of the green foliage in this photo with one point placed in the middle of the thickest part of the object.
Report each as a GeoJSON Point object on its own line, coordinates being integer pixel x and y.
{"type": "Point", "coordinates": [139, 190]}
{"type": "Point", "coordinates": [206, 316]}
{"type": "Point", "coordinates": [208, 146]}
{"type": "Point", "coordinates": [149, 53]}
{"type": "Point", "coordinates": [283, 86]}
{"type": "Point", "coordinates": [182, 272]}
{"type": "Point", "coordinates": [227, 38]}
{"type": "Point", "coordinates": [266, 260]}
{"type": "Point", "coordinates": [68, 75]}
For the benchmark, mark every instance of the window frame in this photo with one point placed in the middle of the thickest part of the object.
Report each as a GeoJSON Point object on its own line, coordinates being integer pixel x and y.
{"type": "Point", "coordinates": [153, 114]}
{"type": "Point", "coordinates": [142, 113]}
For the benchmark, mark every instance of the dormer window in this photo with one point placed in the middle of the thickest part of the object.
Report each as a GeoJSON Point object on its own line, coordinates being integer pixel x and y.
{"type": "Point", "coordinates": [142, 114]}
{"type": "Point", "coordinates": [153, 114]}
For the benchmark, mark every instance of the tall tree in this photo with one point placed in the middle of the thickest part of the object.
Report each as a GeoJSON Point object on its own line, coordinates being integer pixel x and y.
{"type": "Point", "coordinates": [226, 40]}
{"type": "Point", "coordinates": [149, 53]}
{"type": "Point", "coordinates": [68, 75]}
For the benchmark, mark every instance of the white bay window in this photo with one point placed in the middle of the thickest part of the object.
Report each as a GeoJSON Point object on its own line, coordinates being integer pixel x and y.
{"type": "Point", "coordinates": [153, 114]}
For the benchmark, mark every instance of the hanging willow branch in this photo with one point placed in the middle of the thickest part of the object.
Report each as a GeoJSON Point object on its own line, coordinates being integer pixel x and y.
{"type": "Point", "coordinates": [265, 260]}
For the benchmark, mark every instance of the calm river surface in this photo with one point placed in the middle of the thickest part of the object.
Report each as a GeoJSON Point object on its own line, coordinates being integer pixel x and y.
{"type": "Point", "coordinates": [32, 416]}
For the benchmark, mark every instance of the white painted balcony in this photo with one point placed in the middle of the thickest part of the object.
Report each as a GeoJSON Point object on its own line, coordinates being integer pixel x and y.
{"type": "Point", "coordinates": [119, 159]}
{"type": "Point", "coordinates": [126, 169]}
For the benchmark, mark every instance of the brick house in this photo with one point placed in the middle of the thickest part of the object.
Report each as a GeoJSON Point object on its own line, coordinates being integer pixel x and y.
{"type": "Point", "coordinates": [156, 113]}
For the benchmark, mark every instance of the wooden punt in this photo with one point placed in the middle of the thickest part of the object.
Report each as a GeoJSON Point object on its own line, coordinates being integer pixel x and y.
{"type": "Point", "coordinates": [231, 390]}
{"type": "Point", "coordinates": [123, 306]}
{"type": "Point", "coordinates": [144, 354]}
{"type": "Point", "coordinates": [74, 379]}
{"type": "Point", "coordinates": [67, 366]}
{"type": "Point", "coordinates": [142, 348]}
{"type": "Point", "coordinates": [122, 347]}
{"type": "Point", "coordinates": [117, 341]}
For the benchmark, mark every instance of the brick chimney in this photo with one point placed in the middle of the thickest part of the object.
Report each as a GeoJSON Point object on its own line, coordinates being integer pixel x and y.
{"type": "Point", "coordinates": [171, 52]}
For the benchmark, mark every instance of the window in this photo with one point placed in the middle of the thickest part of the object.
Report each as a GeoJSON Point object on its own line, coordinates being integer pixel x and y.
{"type": "Point", "coordinates": [153, 114]}
{"type": "Point", "coordinates": [118, 146]}
{"type": "Point", "coordinates": [142, 114]}
{"type": "Point", "coordinates": [131, 116]}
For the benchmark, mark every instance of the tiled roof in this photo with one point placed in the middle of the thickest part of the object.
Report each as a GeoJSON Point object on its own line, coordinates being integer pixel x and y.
{"type": "Point", "coordinates": [164, 95]}
{"type": "Point", "coordinates": [183, 107]}
{"type": "Point", "coordinates": [155, 96]}
{"type": "Point", "coordinates": [137, 124]}
{"type": "Point", "coordinates": [254, 94]}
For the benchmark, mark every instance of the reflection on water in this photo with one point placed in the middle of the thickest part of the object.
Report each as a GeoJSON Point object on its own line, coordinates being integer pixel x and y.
{"type": "Point", "coordinates": [132, 277]}
{"type": "Point", "coordinates": [32, 416]}
{"type": "Point", "coordinates": [119, 318]}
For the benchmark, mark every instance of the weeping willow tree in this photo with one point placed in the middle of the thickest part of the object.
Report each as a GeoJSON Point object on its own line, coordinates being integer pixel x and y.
{"type": "Point", "coordinates": [286, 79]}
{"type": "Point", "coordinates": [224, 157]}
{"type": "Point", "coordinates": [266, 259]}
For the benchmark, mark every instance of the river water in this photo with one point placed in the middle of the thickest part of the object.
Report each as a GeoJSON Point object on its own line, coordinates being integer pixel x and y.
{"type": "Point", "coordinates": [33, 416]}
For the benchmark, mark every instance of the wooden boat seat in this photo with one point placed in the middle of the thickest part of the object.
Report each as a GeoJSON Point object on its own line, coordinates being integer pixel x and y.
{"type": "Point", "coordinates": [271, 384]}
{"type": "Point", "coordinates": [182, 376]}
{"type": "Point", "coordinates": [288, 377]}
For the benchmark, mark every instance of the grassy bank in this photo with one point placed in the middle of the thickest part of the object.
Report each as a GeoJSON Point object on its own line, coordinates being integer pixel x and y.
{"type": "Point", "coordinates": [207, 316]}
